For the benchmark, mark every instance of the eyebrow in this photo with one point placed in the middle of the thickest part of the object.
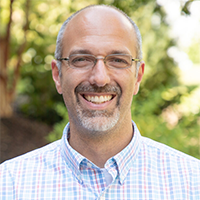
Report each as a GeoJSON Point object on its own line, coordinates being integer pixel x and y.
{"type": "Point", "coordinates": [80, 51]}
{"type": "Point", "coordinates": [119, 52]}
{"type": "Point", "coordinates": [86, 51]}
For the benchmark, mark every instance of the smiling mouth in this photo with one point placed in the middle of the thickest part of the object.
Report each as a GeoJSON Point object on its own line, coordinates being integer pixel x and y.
{"type": "Point", "coordinates": [98, 99]}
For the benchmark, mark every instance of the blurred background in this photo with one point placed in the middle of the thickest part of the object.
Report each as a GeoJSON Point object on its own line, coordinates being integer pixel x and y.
{"type": "Point", "coordinates": [167, 108]}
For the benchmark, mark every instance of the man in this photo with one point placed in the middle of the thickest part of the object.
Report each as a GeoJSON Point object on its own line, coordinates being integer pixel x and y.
{"type": "Point", "coordinates": [98, 70]}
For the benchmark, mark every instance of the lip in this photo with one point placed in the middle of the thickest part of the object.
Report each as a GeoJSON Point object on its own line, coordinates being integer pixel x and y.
{"type": "Point", "coordinates": [96, 106]}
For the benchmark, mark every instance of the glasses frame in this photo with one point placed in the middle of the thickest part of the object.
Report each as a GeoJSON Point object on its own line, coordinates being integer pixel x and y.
{"type": "Point", "coordinates": [99, 58]}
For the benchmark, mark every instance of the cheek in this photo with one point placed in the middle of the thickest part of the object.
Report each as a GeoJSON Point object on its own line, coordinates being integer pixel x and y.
{"type": "Point", "coordinates": [68, 91]}
{"type": "Point", "coordinates": [70, 80]}
{"type": "Point", "coordinates": [128, 89]}
{"type": "Point", "coordinates": [71, 77]}
{"type": "Point", "coordinates": [127, 80]}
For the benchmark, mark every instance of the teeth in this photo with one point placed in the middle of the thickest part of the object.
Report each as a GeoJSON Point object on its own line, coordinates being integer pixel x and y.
{"type": "Point", "coordinates": [98, 99]}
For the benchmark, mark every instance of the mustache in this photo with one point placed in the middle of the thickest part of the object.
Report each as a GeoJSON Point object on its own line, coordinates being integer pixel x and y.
{"type": "Point", "coordinates": [94, 88]}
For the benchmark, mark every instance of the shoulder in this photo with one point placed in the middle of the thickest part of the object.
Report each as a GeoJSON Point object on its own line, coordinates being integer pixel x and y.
{"type": "Point", "coordinates": [167, 155]}
{"type": "Point", "coordinates": [36, 157]}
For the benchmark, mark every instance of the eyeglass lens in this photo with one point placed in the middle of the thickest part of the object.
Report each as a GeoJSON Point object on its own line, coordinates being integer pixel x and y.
{"type": "Point", "coordinates": [88, 61]}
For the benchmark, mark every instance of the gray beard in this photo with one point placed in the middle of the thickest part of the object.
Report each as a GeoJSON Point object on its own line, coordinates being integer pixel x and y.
{"type": "Point", "coordinates": [97, 120]}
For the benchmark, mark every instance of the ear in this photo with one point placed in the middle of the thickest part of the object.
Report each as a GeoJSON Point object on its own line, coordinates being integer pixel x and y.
{"type": "Point", "coordinates": [56, 76]}
{"type": "Point", "coordinates": [139, 77]}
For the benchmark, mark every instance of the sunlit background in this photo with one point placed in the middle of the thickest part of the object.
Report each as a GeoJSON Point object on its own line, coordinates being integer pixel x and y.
{"type": "Point", "coordinates": [185, 29]}
{"type": "Point", "coordinates": [167, 108]}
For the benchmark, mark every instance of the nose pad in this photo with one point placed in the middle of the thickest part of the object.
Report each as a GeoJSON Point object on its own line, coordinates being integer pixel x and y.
{"type": "Point", "coordinates": [99, 73]}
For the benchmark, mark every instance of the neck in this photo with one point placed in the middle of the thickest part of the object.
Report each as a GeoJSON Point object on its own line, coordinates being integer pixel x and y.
{"type": "Point", "coordinates": [99, 148]}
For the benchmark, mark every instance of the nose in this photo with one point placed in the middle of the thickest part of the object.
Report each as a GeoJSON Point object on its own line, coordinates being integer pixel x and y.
{"type": "Point", "coordinates": [99, 74]}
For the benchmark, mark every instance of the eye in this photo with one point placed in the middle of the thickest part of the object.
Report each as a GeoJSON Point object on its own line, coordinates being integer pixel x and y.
{"type": "Point", "coordinates": [81, 61]}
{"type": "Point", "coordinates": [78, 59]}
{"type": "Point", "coordinates": [118, 60]}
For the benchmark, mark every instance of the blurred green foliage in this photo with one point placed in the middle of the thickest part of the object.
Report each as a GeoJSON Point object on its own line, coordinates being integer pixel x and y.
{"type": "Point", "coordinates": [163, 110]}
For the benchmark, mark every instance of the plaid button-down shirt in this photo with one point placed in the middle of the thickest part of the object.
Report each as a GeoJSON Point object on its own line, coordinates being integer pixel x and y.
{"type": "Point", "coordinates": [145, 169]}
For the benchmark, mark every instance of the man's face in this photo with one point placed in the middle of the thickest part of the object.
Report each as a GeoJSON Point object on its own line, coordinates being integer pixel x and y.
{"type": "Point", "coordinates": [98, 99]}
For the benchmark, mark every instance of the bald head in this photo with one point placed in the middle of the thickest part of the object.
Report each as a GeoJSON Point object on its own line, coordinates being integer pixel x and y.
{"type": "Point", "coordinates": [98, 18]}
{"type": "Point", "coordinates": [100, 15]}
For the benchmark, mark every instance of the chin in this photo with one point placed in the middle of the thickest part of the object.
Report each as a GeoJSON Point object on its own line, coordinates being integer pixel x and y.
{"type": "Point", "coordinates": [99, 122]}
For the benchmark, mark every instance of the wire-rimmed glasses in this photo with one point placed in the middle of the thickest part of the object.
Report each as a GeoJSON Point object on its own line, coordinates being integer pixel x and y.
{"type": "Point", "coordinates": [87, 61]}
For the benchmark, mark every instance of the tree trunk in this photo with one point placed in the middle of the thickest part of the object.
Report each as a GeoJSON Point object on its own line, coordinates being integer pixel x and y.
{"type": "Point", "coordinates": [5, 107]}
{"type": "Point", "coordinates": [7, 95]}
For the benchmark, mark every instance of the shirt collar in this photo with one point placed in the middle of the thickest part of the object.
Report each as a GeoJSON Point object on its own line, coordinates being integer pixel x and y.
{"type": "Point", "coordinates": [71, 156]}
{"type": "Point", "coordinates": [124, 159]}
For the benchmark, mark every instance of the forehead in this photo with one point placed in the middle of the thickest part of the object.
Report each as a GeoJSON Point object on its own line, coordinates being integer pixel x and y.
{"type": "Point", "coordinates": [100, 25]}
